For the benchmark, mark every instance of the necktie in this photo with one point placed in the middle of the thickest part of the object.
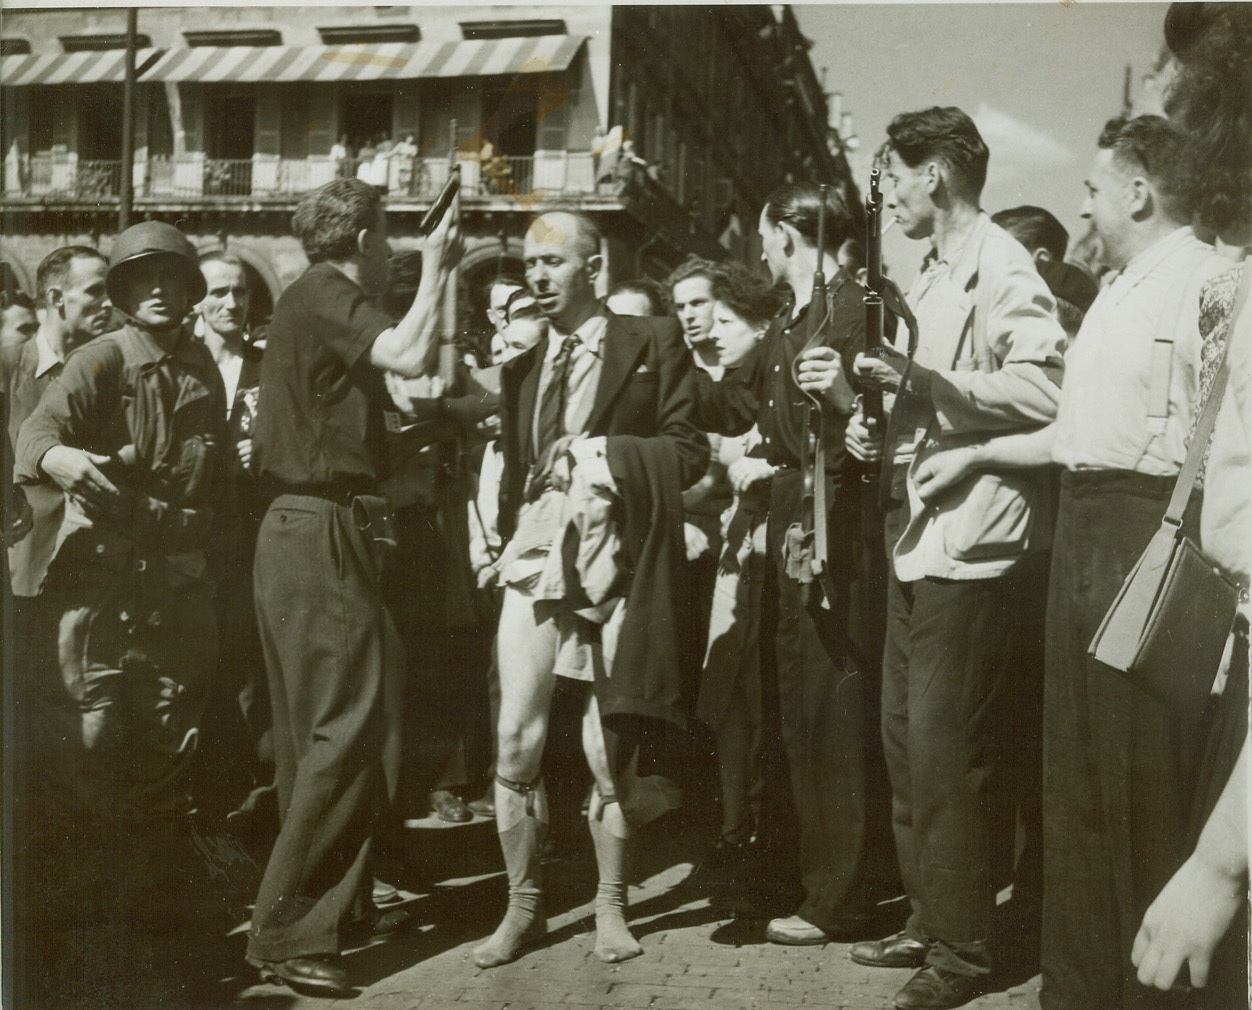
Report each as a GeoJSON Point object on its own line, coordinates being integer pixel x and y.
{"type": "Point", "coordinates": [555, 396]}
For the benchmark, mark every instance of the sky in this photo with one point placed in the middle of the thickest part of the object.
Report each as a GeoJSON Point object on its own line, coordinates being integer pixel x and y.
{"type": "Point", "coordinates": [1039, 79]}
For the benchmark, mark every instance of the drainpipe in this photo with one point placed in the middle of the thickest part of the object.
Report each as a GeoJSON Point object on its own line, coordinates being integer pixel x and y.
{"type": "Point", "coordinates": [128, 125]}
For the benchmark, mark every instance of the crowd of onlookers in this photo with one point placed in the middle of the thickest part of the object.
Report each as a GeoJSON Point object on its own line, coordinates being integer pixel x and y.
{"type": "Point", "coordinates": [255, 574]}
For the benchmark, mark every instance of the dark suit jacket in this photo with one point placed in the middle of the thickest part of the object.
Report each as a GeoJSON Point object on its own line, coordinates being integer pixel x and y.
{"type": "Point", "coordinates": [644, 405]}
{"type": "Point", "coordinates": [646, 390]}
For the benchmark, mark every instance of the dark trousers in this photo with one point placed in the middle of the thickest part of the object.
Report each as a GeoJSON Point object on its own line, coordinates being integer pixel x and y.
{"type": "Point", "coordinates": [947, 719]}
{"type": "Point", "coordinates": [1118, 767]}
{"type": "Point", "coordinates": [334, 665]}
{"type": "Point", "coordinates": [826, 727]}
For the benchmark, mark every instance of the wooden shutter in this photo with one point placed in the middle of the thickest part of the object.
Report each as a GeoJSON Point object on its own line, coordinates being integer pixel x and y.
{"type": "Point", "coordinates": [269, 120]}
{"type": "Point", "coordinates": [322, 124]}
{"type": "Point", "coordinates": [406, 111]}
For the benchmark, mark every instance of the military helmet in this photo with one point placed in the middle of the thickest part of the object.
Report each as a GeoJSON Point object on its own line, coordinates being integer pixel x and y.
{"type": "Point", "coordinates": [150, 239]}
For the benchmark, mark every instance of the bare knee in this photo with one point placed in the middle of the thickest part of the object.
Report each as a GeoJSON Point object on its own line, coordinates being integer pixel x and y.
{"type": "Point", "coordinates": [520, 749]}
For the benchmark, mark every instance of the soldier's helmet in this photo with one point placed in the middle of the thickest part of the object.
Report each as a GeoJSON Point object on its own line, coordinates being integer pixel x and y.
{"type": "Point", "coordinates": [147, 241]}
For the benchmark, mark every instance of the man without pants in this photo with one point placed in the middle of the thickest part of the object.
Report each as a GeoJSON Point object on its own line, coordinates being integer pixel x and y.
{"type": "Point", "coordinates": [624, 384]}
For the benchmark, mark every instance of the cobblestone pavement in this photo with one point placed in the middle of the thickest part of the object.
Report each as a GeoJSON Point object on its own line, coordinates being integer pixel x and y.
{"type": "Point", "coordinates": [110, 935]}
{"type": "Point", "coordinates": [694, 957]}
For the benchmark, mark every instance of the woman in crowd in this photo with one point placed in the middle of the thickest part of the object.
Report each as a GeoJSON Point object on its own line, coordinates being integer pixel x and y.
{"type": "Point", "coordinates": [730, 689]}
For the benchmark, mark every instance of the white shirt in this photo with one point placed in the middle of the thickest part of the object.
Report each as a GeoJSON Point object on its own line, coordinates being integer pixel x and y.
{"type": "Point", "coordinates": [1143, 327]}
{"type": "Point", "coordinates": [584, 373]}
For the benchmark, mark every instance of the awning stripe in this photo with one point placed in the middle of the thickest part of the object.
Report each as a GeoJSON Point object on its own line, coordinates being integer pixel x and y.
{"type": "Point", "coordinates": [385, 61]}
{"type": "Point", "coordinates": [108, 66]}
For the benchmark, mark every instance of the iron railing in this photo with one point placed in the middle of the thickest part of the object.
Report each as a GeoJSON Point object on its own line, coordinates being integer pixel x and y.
{"type": "Point", "coordinates": [194, 178]}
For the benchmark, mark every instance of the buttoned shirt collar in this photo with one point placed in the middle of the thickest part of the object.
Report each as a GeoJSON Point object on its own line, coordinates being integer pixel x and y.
{"type": "Point", "coordinates": [590, 335]}
{"type": "Point", "coordinates": [1143, 263]}
{"type": "Point", "coordinates": [48, 358]}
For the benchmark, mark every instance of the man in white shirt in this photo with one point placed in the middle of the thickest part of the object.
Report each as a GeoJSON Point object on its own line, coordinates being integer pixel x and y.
{"type": "Point", "coordinates": [1115, 787]}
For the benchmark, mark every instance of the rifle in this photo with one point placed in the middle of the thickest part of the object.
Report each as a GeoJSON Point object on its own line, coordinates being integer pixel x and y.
{"type": "Point", "coordinates": [871, 399]}
{"type": "Point", "coordinates": [807, 547]}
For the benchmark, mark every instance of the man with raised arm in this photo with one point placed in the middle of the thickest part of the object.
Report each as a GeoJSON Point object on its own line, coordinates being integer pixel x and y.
{"type": "Point", "coordinates": [331, 651]}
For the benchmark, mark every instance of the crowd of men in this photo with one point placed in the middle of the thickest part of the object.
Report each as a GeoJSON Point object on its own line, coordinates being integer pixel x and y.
{"type": "Point", "coordinates": [238, 563]}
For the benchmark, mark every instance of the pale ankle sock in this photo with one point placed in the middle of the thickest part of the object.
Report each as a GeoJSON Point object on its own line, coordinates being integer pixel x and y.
{"type": "Point", "coordinates": [614, 941]}
{"type": "Point", "coordinates": [609, 832]}
{"type": "Point", "coordinates": [524, 920]}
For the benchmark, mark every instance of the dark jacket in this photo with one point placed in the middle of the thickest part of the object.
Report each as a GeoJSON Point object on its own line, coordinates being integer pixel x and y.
{"type": "Point", "coordinates": [162, 417]}
{"type": "Point", "coordinates": [645, 391]}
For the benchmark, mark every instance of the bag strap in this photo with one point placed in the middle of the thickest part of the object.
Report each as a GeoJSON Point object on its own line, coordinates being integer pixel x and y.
{"type": "Point", "coordinates": [1208, 417]}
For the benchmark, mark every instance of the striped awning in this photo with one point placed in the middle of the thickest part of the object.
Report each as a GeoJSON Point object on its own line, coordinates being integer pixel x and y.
{"type": "Point", "coordinates": [391, 60]}
{"type": "Point", "coordinates": [108, 66]}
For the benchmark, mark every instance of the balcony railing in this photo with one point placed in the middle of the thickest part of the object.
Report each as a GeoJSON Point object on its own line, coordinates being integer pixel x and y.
{"type": "Point", "coordinates": [194, 178]}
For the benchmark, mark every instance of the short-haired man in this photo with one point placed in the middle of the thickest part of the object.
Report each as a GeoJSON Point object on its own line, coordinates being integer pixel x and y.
{"type": "Point", "coordinates": [1115, 780]}
{"type": "Point", "coordinates": [331, 651]}
{"type": "Point", "coordinates": [239, 690]}
{"type": "Point", "coordinates": [963, 564]}
{"type": "Point", "coordinates": [1046, 239]}
{"type": "Point", "coordinates": [1116, 788]}
{"type": "Point", "coordinates": [134, 432]}
{"type": "Point", "coordinates": [605, 400]}
{"type": "Point", "coordinates": [72, 287]}
{"type": "Point", "coordinates": [691, 287]}
{"type": "Point", "coordinates": [498, 291]}
{"type": "Point", "coordinates": [71, 282]}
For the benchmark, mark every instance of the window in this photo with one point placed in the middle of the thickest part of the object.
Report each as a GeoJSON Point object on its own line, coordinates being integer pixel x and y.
{"type": "Point", "coordinates": [14, 47]}
{"type": "Point", "coordinates": [365, 115]}
{"type": "Point", "coordinates": [95, 43]}
{"type": "Point", "coordinates": [344, 35]}
{"type": "Point", "coordinates": [511, 29]}
{"type": "Point", "coordinates": [235, 37]}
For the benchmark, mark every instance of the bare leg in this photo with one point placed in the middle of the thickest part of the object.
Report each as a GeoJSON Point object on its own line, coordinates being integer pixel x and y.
{"type": "Point", "coordinates": [610, 833]}
{"type": "Point", "coordinates": [526, 685]}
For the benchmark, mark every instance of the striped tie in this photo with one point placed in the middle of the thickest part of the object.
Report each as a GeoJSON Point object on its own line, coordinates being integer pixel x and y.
{"type": "Point", "coordinates": [555, 395]}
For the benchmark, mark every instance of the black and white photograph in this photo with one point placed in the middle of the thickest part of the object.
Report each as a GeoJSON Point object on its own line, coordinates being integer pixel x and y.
{"type": "Point", "coordinates": [625, 506]}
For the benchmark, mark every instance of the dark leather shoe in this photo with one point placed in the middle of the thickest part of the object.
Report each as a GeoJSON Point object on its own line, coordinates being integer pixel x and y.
{"type": "Point", "coordinates": [317, 975]}
{"type": "Point", "coordinates": [898, 951]}
{"type": "Point", "coordinates": [450, 807]}
{"type": "Point", "coordinates": [935, 989]}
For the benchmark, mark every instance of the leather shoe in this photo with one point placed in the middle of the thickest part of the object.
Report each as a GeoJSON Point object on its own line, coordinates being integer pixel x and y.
{"type": "Point", "coordinates": [898, 951]}
{"type": "Point", "coordinates": [450, 807]}
{"type": "Point", "coordinates": [485, 806]}
{"type": "Point", "coordinates": [319, 975]}
{"type": "Point", "coordinates": [795, 932]}
{"type": "Point", "coordinates": [936, 989]}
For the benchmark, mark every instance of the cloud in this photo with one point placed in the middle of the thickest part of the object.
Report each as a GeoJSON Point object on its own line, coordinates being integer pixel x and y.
{"type": "Point", "coordinates": [1018, 149]}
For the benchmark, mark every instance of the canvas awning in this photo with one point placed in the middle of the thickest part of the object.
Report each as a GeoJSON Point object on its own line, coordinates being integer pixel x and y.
{"type": "Point", "coordinates": [107, 66]}
{"type": "Point", "coordinates": [382, 61]}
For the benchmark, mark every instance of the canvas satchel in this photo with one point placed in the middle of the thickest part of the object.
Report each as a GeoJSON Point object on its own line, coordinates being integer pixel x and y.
{"type": "Point", "coordinates": [1169, 623]}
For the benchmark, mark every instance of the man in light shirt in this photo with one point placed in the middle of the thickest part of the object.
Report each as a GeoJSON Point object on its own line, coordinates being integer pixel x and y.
{"type": "Point", "coordinates": [988, 360]}
{"type": "Point", "coordinates": [1115, 785]}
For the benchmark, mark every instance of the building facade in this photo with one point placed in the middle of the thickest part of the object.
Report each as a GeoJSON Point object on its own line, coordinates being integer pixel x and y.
{"type": "Point", "coordinates": [668, 124]}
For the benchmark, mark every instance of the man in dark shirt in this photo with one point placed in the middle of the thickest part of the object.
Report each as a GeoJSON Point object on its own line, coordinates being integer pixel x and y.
{"type": "Point", "coordinates": [331, 651]}
{"type": "Point", "coordinates": [828, 718]}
